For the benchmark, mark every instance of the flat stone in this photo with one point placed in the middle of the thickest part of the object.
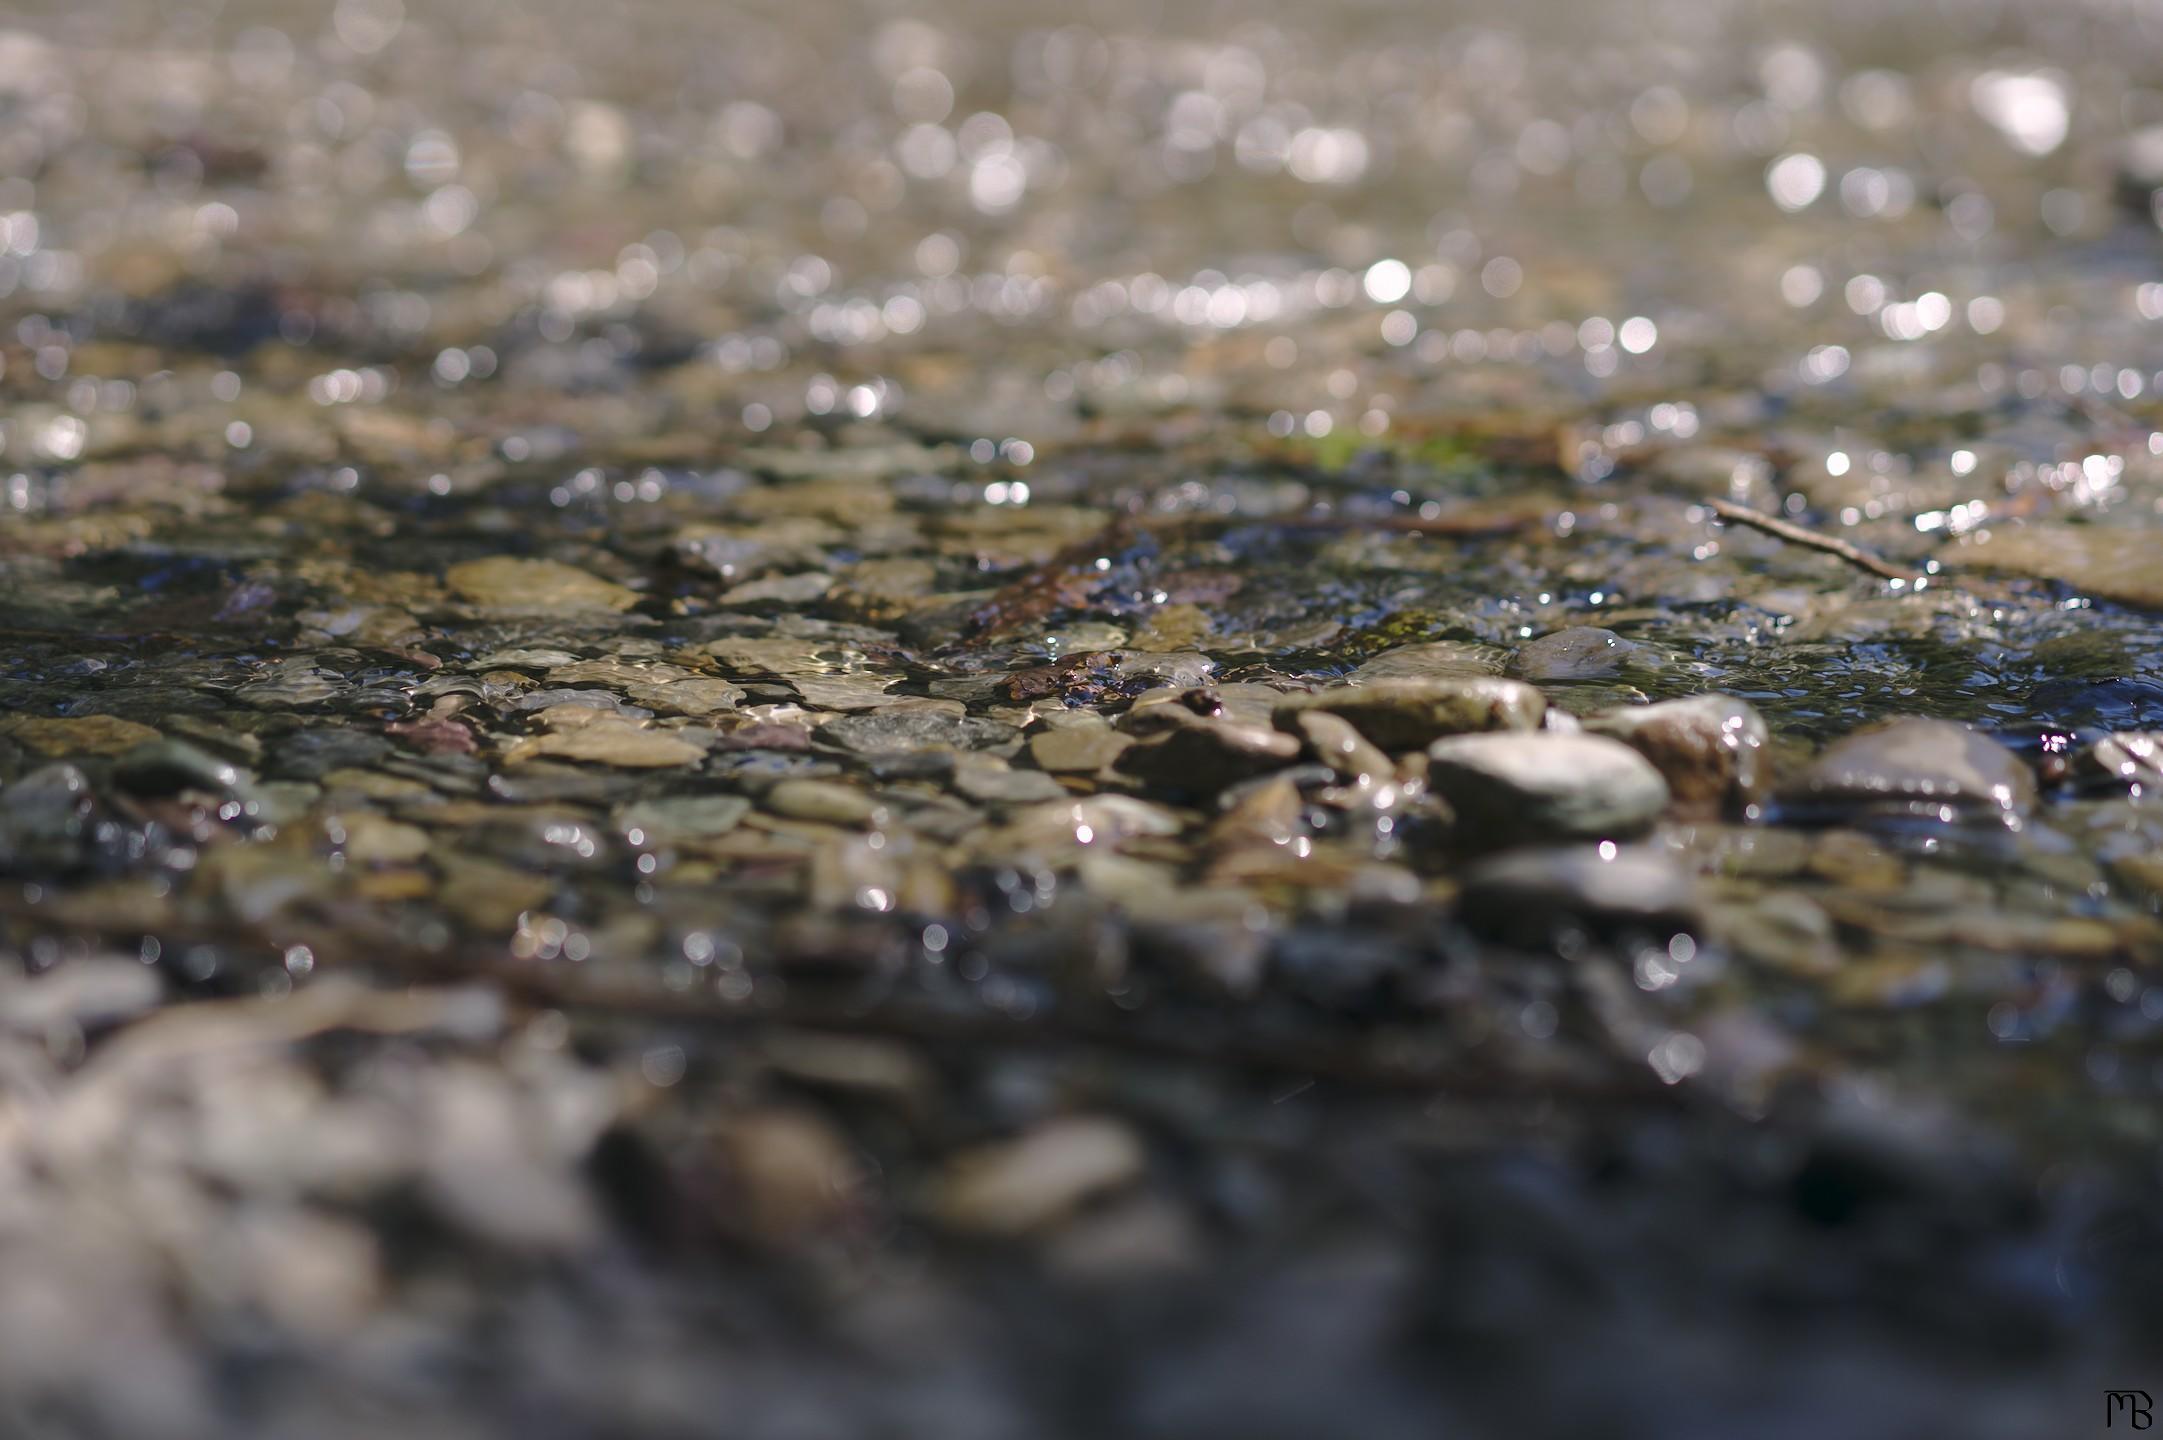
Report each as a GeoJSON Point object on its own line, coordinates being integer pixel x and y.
{"type": "Point", "coordinates": [538, 587]}
{"type": "Point", "coordinates": [899, 731]}
{"type": "Point", "coordinates": [1200, 755]}
{"type": "Point", "coordinates": [1915, 765]}
{"type": "Point", "coordinates": [2115, 563]}
{"type": "Point", "coordinates": [1073, 749]}
{"type": "Point", "coordinates": [1406, 714]}
{"type": "Point", "coordinates": [1513, 788]}
{"type": "Point", "coordinates": [610, 741]}
{"type": "Point", "coordinates": [57, 735]}
{"type": "Point", "coordinates": [1709, 748]}
{"type": "Point", "coordinates": [684, 817]}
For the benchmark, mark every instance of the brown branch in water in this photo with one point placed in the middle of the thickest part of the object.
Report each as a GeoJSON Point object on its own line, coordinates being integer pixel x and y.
{"type": "Point", "coordinates": [1795, 534]}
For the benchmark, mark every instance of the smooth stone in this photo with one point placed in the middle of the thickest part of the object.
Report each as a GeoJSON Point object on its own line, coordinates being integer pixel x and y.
{"type": "Point", "coordinates": [1915, 765]}
{"type": "Point", "coordinates": [57, 735]}
{"type": "Point", "coordinates": [164, 767]}
{"type": "Point", "coordinates": [1429, 660]}
{"type": "Point", "coordinates": [684, 817]}
{"type": "Point", "coordinates": [990, 780]}
{"type": "Point", "coordinates": [2127, 758]}
{"type": "Point", "coordinates": [609, 741]}
{"type": "Point", "coordinates": [826, 801]}
{"type": "Point", "coordinates": [1337, 743]}
{"type": "Point", "coordinates": [1579, 653]}
{"type": "Point", "coordinates": [898, 731]}
{"type": "Point", "coordinates": [1025, 1184]}
{"type": "Point", "coordinates": [1512, 788]}
{"type": "Point", "coordinates": [1400, 715]}
{"type": "Point", "coordinates": [1709, 748]}
{"type": "Point", "coordinates": [1195, 754]}
{"type": "Point", "coordinates": [1529, 892]}
{"type": "Point", "coordinates": [1077, 749]}
{"type": "Point", "coordinates": [543, 587]}
{"type": "Point", "coordinates": [2115, 562]}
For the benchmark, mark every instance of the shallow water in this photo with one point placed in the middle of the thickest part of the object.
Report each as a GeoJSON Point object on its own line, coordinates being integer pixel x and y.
{"type": "Point", "coordinates": [586, 598]}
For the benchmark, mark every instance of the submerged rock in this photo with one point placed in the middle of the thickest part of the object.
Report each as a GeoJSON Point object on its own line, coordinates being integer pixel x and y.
{"type": "Point", "coordinates": [1709, 748]}
{"type": "Point", "coordinates": [1406, 714]}
{"type": "Point", "coordinates": [1580, 653]}
{"type": "Point", "coordinates": [1914, 766]}
{"type": "Point", "coordinates": [1510, 789]}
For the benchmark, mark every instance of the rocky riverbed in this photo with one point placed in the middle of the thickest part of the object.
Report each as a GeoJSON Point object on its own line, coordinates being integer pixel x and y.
{"type": "Point", "coordinates": [817, 721]}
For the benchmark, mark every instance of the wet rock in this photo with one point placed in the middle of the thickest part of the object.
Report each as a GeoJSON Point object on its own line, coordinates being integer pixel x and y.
{"type": "Point", "coordinates": [1429, 660]}
{"type": "Point", "coordinates": [896, 732]}
{"type": "Point", "coordinates": [536, 587]}
{"type": "Point", "coordinates": [1202, 756]}
{"type": "Point", "coordinates": [1579, 653]}
{"type": "Point", "coordinates": [2113, 562]}
{"type": "Point", "coordinates": [58, 736]}
{"type": "Point", "coordinates": [1337, 744]}
{"type": "Point", "coordinates": [1528, 894]}
{"type": "Point", "coordinates": [1078, 748]}
{"type": "Point", "coordinates": [2127, 758]}
{"type": "Point", "coordinates": [1710, 749]}
{"type": "Point", "coordinates": [1406, 714]}
{"type": "Point", "coordinates": [683, 817]}
{"type": "Point", "coordinates": [166, 767]}
{"type": "Point", "coordinates": [1026, 1184]}
{"type": "Point", "coordinates": [609, 741]}
{"type": "Point", "coordinates": [1513, 788]}
{"type": "Point", "coordinates": [1914, 766]}
{"type": "Point", "coordinates": [989, 780]}
{"type": "Point", "coordinates": [826, 801]}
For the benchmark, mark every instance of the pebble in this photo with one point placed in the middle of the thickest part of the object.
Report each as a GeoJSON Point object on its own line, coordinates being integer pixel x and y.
{"type": "Point", "coordinates": [1579, 653]}
{"type": "Point", "coordinates": [1196, 754]}
{"type": "Point", "coordinates": [1072, 749]}
{"type": "Point", "coordinates": [54, 735]}
{"type": "Point", "coordinates": [609, 741]}
{"type": "Point", "coordinates": [683, 817]}
{"type": "Point", "coordinates": [1512, 788]}
{"type": "Point", "coordinates": [1021, 1185]}
{"type": "Point", "coordinates": [2128, 758]}
{"type": "Point", "coordinates": [164, 767]}
{"type": "Point", "coordinates": [1709, 748]}
{"type": "Point", "coordinates": [900, 731]}
{"type": "Point", "coordinates": [1527, 893]}
{"type": "Point", "coordinates": [1918, 766]}
{"type": "Point", "coordinates": [536, 587]}
{"type": "Point", "coordinates": [1406, 714]}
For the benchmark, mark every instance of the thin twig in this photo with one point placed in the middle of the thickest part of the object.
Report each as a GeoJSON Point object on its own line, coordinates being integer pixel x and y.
{"type": "Point", "coordinates": [1795, 534]}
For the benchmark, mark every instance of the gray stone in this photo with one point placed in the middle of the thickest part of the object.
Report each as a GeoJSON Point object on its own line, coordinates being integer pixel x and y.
{"type": "Point", "coordinates": [1406, 714]}
{"type": "Point", "coordinates": [1578, 653]}
{"type": "Point", "coordinates": [1515, 788]}
{"type": "Point", "coordinates": [1915, 766]}
{"type": "Point", "coordinates": [1528, 893]}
